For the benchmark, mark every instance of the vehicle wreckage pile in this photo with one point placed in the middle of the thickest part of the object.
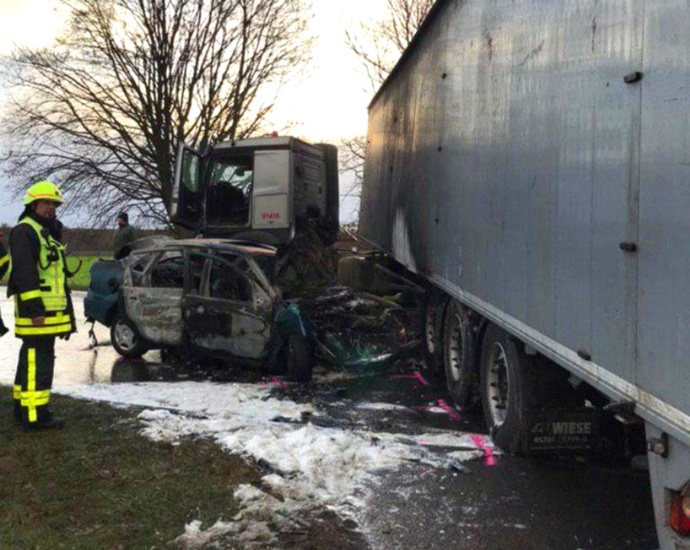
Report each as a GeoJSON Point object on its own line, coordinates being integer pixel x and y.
{"type": "Point", "coordinates": [248, 302]}
{"type": "Point", "coordinates": [351, 327]}
{"type": "Point", "coordinates": [355, 328]}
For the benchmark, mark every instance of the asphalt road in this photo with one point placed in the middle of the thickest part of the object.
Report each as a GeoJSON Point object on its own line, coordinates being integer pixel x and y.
{"type": "Point", "coordinates": [510, 503]}
{"type": "Point", "coordinates": [514, 504]}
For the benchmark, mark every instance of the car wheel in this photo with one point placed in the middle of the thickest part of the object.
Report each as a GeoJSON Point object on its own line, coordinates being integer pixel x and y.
{"type": "Point", "coordinates": [300, 359]}
{"type": "Point", "coordinates": [126, 339]}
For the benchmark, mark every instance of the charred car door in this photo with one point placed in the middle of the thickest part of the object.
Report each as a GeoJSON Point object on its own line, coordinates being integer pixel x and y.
{"type": "Point", "coordinates": [231, 312]}
{"type": "Point", "coordinates": [152, 294]}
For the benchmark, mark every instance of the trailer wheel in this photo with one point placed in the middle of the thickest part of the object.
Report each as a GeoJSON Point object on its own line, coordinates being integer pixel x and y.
{"type": "Point", "coordinates": [433, 308]}
{"type": "Point", "coordinates": [461, 377]}
{"type": "Point", "coordinates": [126, 339]}
{"type": "Point", "coordinates": [508, 388]}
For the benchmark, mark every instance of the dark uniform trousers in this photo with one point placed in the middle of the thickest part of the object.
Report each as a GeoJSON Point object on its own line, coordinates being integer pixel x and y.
{"type": "Point", "coordinates": [34, 379]}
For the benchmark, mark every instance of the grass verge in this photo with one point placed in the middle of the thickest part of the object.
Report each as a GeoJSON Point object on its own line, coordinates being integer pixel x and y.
{"type": "Point", "coordinates": [82, 278]}
{"type": "Point", "coordinates": [98, 484]}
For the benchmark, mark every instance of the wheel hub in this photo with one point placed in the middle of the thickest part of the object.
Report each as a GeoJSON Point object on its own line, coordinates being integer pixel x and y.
{"type": "Point", "coordinates": [430, 329]}
{"type": "Point", "coordinates": [125, 336]}
{"type": "Point", "coordinates": [455, 350]}
{"type": "Point", "coordinates": [498, 384]}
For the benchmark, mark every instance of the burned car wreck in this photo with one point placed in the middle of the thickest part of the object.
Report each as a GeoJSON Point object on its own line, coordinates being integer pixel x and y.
{"type": "Point", "coordinates": [212, 296]}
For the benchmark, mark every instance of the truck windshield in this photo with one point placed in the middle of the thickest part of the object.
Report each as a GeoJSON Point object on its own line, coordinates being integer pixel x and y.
{"type": "Point", "coordinates": [229, 191]}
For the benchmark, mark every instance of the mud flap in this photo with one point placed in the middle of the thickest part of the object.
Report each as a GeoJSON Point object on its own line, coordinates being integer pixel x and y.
{"type": "Point", "coordinates": [563, 431]}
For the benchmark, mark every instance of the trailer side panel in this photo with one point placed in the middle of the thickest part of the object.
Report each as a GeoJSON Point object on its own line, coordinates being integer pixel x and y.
{"type": "Point", "coordinates": [505, 161]}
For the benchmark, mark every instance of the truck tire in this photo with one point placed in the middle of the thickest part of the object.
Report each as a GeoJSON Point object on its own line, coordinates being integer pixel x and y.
{"type": "Point", "coordinates": [508, 388]}
{"type": "Point", "coordinates": [461, 377]}
{"type": "Point", "coordinates": [432, 308]}
{"type": "Point", "coordinates": [126, 339]}
{"type": "Point", "coordinates": [299, 358]}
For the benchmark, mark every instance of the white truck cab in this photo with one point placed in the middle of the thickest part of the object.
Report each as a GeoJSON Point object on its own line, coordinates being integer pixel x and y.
{"type": "Point", "coordinates": [259, 189]}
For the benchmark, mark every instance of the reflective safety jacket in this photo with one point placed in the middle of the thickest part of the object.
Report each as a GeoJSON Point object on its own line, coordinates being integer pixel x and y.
{"type": "Point", "coordinates": [38, 281]}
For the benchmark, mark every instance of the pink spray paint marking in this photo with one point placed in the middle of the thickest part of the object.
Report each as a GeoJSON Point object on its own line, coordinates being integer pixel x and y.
{"type": "Point", "coordinates": [420, 378]}
{"type": "Point", "coordinates": [489, 458]}
{"type": "Point", "coordinates": [449, 410]}
{"type": "Point", "coordinates": [278, 382]}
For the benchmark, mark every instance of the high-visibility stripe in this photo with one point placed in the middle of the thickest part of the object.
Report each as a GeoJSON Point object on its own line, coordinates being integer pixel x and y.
{"type": "Point", "coordinates": [43, 331]}
{"type": "Point", "coordinates": [17, 392]}
{"type": "Point", "coordinates": [35, 398]}
{"type": "Point", "coordinates": [39, 394]}
{"type": "Point", "coordinates": [4, 259]}
{"type": "Point", "coordinates": [56, 324]}
{"type": "Point", "coordinates": [55, 303]}
{"type": "Point", "coordinates": [42, 399]}
{"type": "Point", "coordinates": [51, 320]}
{"type": "Point", "coordinates": [32, 398]}
{"type": "Point", "coordinates": [31, 383]}
{"type": "Point", "coordinates": [30, 295]}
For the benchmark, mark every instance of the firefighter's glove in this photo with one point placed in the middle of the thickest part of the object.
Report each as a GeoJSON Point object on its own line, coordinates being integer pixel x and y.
{"type": "Point", "coordinates": [65, 337]}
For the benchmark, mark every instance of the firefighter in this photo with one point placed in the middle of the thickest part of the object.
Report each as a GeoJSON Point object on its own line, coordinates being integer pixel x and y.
{"type": "Point", "coordinates": [43, 309]}
{"type": "Point", "coordinates": [4, 266]}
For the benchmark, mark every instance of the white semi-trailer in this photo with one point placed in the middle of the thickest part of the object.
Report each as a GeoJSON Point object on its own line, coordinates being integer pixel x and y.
{"type": "Point", "coordinates": [529, 163]}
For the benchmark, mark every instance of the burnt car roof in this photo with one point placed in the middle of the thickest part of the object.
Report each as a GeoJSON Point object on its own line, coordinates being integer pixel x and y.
{"type": "Point", "coordinates": [223, 245]}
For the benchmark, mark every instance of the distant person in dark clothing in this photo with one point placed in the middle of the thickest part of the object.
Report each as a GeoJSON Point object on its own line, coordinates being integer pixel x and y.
{"type": "Point", "coordinates": [123, 236]}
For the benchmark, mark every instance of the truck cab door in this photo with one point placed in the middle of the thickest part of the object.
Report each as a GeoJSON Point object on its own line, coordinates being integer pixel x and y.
{"type": "Point", "coordinates": [273, 176]}
{"type": "Point", "coordinates": [187, 197]}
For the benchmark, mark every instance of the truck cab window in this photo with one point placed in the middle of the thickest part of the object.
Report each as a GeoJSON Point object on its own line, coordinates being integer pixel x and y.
{"type": "Point", "coordinates": [229, 191]}
{"type": "Point", "coordinates": [190, 171]}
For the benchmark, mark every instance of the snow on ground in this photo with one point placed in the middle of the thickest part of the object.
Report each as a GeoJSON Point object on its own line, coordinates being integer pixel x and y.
{"type": "Point", "coordinates": [309, 466]}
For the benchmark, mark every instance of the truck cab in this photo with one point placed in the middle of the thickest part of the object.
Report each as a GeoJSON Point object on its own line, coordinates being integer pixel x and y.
{"type": "Point", "coordinates": [259, 189]}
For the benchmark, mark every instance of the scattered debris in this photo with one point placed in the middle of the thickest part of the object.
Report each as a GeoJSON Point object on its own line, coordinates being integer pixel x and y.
{"type": "Point", "coordinates": [357, 329]}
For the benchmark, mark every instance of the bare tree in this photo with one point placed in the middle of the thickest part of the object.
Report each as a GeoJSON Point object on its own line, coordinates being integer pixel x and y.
{"type": "Point", "coordinates": [105, 108]}
{"type": "Point", "coordinates": [378, 45]}
{"type": "Point", "coordinates": [351, 161]}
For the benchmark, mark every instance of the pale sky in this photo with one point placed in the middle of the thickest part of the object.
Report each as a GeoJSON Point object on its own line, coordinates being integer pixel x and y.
{"type": "Point", "coordinates": [328, 105]}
